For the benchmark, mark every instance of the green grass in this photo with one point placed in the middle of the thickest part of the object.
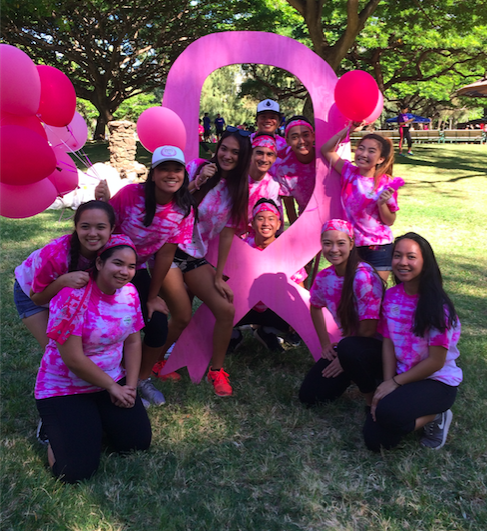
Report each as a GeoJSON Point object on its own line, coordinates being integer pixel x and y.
{"type": "Point", "coordinates": [259, 461]}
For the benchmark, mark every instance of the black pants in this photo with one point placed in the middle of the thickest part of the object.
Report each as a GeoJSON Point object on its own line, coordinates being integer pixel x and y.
{"type": "Point", "coordinates": [74, 425]}
{"type": "Point", "coordinates": [361, 360]}
{"type": "Point", "coordinates": [155, 330]}
{"type": "Point", "coordinates": [405, 133]}
{"type": "Point", "coordinates": [397, 412]}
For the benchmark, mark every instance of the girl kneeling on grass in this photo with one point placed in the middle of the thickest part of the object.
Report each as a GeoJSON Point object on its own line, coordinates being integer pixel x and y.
{"type": "Point", "coordinates": [369, 195]}
{"type": "Point", "coordinates": [220, 189]}
{"type": "Point", "coordinates": [157, 215]}
{"type": "Point", "coordinates": [421, 331]}
{"type": "Point", "coordinates": [352, 292]}
{"type": "Point", "coordinates": [64, 262]}
{"type": "Point", "coordinates": [81, 388]}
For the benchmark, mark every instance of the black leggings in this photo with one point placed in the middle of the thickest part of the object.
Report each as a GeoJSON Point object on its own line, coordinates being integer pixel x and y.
{"type": "Point", "coordinates": [74, 425]}
{"type": "Point", "coordinates": [405, 133]}
{"type": "Point", "coordinates": [397, 412]}
{"type": "Point", "coordinates": [361, 360]}
{"type": "Point", "coordinates": [155, 330]}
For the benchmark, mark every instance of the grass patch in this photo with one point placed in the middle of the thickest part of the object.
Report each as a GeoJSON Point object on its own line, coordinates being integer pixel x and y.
{"type": "Point", "coordinates": [260, 461]}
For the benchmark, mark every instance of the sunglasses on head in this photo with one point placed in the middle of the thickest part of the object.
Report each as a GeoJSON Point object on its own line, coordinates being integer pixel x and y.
{"type": "Point", "coordinates": [241, 132]}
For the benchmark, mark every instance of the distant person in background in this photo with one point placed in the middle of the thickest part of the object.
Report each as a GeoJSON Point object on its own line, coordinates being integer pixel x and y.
{"type": "Point", "coordinates": [404, 127]}
{"type": "Point", "coordinates": [219, 125]}
{"type": "Point", "coordinates": [201, 134]}
{"type": "Point", "coordinates": [206, 127]}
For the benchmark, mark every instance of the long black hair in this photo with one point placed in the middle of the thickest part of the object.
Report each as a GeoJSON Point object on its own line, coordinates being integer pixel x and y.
{"type": "Point", "coordinates": [74, 250]}
{"type": "Point", "coordinates": [430, 312]}
{"type": "Point", "coordinates": [237, 179]}
{"type": "Point", "coordinates": [182, 198]}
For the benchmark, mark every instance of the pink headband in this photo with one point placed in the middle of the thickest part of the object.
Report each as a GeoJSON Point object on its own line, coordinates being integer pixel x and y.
{"type": "Point", "coordinates": [264, 141]}
{"type": "Point", "coordinates": [294, 123]}
{"type": "Point", "coordinates": [338, 224]}
{"type": "Point", "coordinates": [117, 240]}
{"type": "Point", "coordinates": [265, 207]}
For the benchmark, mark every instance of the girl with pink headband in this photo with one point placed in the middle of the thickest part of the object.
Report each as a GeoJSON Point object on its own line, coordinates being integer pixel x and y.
{"type": "Point", "coordinates": [369, 194]}
{"type": "Point", "coordinates": [266, 221]}
{"type": "Point", "coordinates": [82, 388]}
{"type": "Point", "coordinates": [352, 292]}
{"type": "Point", "coordinates": [296, 172]}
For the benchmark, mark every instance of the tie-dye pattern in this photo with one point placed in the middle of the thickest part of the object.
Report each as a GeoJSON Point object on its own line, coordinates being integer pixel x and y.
{"type": "Point", "coordinates": [367, 288]}
{"type": "Point", "coordinates": [213, 214]}
{"type": "Point", "coordinates": [397, 321]}
{"type": "Point", "coordinates": [45, 265]}
{"type": "Point", "coordinates": [168, 226]}
{"type": "Point", "coordinates": [359, 200]}
{"type": "Point", "coordinates": [296, 179]}
{"type": "Point", "coordinates": [267, 187]}
{"type": "Point", "coordinates": [107, 322]}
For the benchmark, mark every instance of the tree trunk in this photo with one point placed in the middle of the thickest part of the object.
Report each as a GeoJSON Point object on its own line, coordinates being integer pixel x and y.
{"type": "Point", "coordinates": [104, 117]}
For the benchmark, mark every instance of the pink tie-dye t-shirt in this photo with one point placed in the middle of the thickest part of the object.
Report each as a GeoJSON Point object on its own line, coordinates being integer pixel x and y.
{"type": "Point", "coordinates": [168, 226]}
{"type": "Point", "coordinates": [359, 200]}
{"type": "Point", "coordinates": [214, 214]}
{"type": "Point", "coordinates": [298, 277]}
{"type": "Point", "coordinates": [45, 265]}
{"type": "Point", "coordinates": [326, 292]}
{"type": "Point", "coordinates": [397, 322]}
{"type": "Point", "coordinates": [106, 324]}
{"type": "Point", "coordinates": [267, 187]}
{"type": "Point", "coordinates": [296, 179]}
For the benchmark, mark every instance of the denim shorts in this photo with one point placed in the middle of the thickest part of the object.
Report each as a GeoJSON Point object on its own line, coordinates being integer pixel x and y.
{"type": "Point", "coordinates": [379, 256]}
{"type": "Point", "coordinates": [25, 306]}
{"type": "Point", "coordinates": [187, 263]}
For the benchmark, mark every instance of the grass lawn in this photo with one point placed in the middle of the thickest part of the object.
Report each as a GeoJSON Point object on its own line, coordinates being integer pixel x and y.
{"type": "Point", "coordinates": [259, 460]}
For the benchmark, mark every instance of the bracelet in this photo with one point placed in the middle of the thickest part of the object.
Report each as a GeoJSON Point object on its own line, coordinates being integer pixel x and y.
{"type": "Point", "coordinates": [397, 383]}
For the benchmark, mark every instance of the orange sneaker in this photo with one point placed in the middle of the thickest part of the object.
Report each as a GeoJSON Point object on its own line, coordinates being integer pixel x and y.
{"type": "Point", "coordinates": [158, 368]}
{"type": "Point", "coordinates": [220, 382]}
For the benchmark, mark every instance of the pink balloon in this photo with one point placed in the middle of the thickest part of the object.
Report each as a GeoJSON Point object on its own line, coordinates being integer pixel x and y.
{"type": "Point", "coordinates": [58, 98]}
{"type": "Point", "coordinates": [377, 111]}
{"type": "Point", "coordinates": [25, 201]}
{"type": "Point", "coordinates": [31, 122]}
{"type": "Point", "coordinates": [65, 176]}
{"type": "Point", "coordinates": [20, 85]}
{"type": "Point", "coordinates": [71, 137]}
{"type": "Point", "coordinates": [160, 126]}
{"type": "Point", "coordinates": [356, 95]}
{"type": "Point", "coordinates": [26, 157]}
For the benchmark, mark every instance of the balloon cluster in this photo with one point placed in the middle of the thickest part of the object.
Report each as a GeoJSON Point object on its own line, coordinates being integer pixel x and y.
{"type": "Point", "coordinates": [358, 97]}
{"type": "Point", "coordinates": [39, 125]}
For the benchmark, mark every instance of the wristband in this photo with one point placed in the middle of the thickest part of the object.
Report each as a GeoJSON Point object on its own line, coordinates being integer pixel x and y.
{"type": "Point", "coordinates": [397, 383]}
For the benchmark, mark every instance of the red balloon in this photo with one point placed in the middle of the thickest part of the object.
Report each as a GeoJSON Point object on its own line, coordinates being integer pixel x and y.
{"type": "Point", "coordinates": [65, 176]}
{"type": "Point", "coordinates": [20, 85]}
{"type": "Point", "coordinates": [71, 137]}
{"type": "Point", "coordinates": [377, 111]}
{"type": "Point", "coordinates": [31, 122]}
{"type": "Point", "coordinates": [58, 97]}
{"type": "Point", "coordinates": [159, 126]}
{"type": "Point", "coordinates": [26, 157]}
{"type": "Point", "coordinates": [28, 200]}
{"type": "Point", "coordinates": [356, 95]}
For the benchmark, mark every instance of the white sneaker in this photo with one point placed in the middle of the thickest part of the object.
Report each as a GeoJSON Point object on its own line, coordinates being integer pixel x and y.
{"type": "Point", "coordinates": [436, 431]}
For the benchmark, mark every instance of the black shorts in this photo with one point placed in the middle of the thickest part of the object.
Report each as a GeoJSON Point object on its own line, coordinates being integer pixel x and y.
{"type": "Point", "coordinates": [187, 263]}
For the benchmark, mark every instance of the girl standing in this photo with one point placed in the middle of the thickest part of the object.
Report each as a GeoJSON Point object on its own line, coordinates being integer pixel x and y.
{"type": "Point", "coordinates": [157, 215]}
{"type": "Point", "coordinates": [81, 388]}
{"type": "Point", "coordinates": [61, 263]}
{"type": "Point", "coordinates": [421, 331]}
{"type": "Point", "coordinates": [368, 195]}
{"type": "Point", "coordinates": [352, 292]}
{"type": "Point", "coordinates": [220, 189]}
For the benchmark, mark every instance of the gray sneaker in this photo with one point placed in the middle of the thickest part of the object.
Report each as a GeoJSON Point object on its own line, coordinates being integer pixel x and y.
{"type": "Point", "coordinates": [435, 432]}
{"type": "Point", "coordinates": [149, 393]}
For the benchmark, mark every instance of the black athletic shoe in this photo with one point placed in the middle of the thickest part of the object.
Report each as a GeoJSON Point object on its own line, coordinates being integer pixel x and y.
{"type": "Point", "coordinates": [235, 342]}
{"type": "Point", "coordinates": [269, 341]}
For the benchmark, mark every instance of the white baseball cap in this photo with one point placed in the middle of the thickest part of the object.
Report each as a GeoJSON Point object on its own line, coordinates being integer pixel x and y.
{"type": "Point", "coordinates": [268, 105]}
{"type": "Point", "coordinates": [167, 153]}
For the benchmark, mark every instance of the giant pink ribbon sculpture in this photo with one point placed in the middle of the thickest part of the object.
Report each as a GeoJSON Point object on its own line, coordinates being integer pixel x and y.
{"type": "Point", "coordinates": [259, 275]}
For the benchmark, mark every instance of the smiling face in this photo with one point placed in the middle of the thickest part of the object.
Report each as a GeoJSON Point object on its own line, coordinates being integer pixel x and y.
{"type": "Point", "coordinates": [227, 154]}
{"type": "Point", "coordinates": [367, 156]}
{"type": "Point", "coordinates": [301, 139]}
{"type": "Point", "coordinates": [265, 225]}
{"type": "Point", "coordinates": [93, 229]}
{"type": "Point", "coordinates": [116, 271]}
{"type": "Point", "coordinates": [336, 247]}
{"type": "Point", "coordinates": [168, 178]}
{"type": "Point", "coordinates": [262, 160]}
{"type": "Point", "coordinates": [267, 122]}
{"type": "Point", "coordinates": [407, 264]}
